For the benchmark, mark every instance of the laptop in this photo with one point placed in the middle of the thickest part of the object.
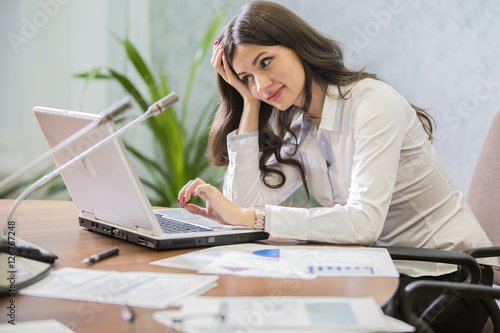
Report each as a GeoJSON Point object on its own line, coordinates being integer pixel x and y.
{"type": "Point", "coordinates": [110, 197]}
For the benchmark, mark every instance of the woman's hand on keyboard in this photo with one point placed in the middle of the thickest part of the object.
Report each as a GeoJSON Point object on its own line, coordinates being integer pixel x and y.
{"type": "Point", "coordinates": [218, 207]}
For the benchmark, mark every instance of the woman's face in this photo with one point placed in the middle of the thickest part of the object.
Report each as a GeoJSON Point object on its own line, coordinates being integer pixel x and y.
{"type": "Point", "coordinates": [273, 74]}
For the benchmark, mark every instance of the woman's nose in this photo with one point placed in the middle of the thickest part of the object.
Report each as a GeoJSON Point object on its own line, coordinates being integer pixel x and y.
{"type": "Point", "coordinates": [262, 82]}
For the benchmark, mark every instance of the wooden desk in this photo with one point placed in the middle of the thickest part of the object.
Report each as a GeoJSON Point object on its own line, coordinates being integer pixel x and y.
{"type": "Point", "coordinates": [53, 225]}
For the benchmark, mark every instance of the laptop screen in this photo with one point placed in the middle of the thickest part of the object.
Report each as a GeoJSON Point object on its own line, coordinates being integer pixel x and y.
{"type": "Point", "coordinates": [104, 184]}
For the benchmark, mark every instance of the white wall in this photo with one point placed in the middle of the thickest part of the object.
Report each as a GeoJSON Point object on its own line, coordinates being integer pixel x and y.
{"type": "Point", "coordinates": [44, 44]}
{"type": "Point", "coordinates": [442, 55]}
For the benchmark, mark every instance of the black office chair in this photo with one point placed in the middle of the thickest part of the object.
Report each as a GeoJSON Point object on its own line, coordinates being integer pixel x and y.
{"type": "Point", "coordinates": [467, 266]}
{"type": "Point", "coordinates": [485, 294]}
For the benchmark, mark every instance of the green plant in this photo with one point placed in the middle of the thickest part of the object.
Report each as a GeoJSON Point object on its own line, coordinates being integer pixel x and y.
{"type": "Point", "coordinates": [181, 154]}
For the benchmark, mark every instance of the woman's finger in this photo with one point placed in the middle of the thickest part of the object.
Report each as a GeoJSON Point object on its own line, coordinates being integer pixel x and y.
{"type": "Point", "coordinates": [218, 63]}
{"type": "Point", "coordinates": [193, 209]}
{"type": "Point", "coordinates": [186, 191]}
{"type": "Point", "coordinates": [205, 212]}
{"type": "Point", "coordinates": [203, 191]}
{"type": "Point", "coordinates": [214, 54]}
{"type": "Point", "coordinates": [182, 192]}
{"type": "Point", "coordinates": [216, 201]}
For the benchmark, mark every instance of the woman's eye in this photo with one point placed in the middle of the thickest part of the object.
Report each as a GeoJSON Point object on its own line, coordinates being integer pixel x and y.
{"type": "Point", "coordinates": [246, 79]}
{"type": "Point", "coordinates": [265, 62]}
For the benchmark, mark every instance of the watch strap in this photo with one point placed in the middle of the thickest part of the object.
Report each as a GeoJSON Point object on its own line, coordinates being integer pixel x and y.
{"type": "Point", "coordinates": [260, 217]}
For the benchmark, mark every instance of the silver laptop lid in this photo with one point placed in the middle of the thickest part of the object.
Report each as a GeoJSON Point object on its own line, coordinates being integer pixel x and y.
{"type": "Point", "coordinates": [103, 185]}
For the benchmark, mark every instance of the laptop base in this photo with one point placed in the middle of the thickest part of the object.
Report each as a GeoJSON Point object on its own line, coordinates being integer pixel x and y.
{"type": "Point", "coordinates": [169, 244]}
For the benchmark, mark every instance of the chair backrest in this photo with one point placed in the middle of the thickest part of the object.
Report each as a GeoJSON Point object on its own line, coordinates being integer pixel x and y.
{"type": "Point", "coordinates": [484, 191]}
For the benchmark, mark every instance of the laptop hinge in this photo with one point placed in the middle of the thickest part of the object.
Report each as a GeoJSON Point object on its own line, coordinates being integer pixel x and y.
{"type": "Point", "coordinates": [140, 230]}
{"type": "Point", "coordinates": [145, 231]}
{"type": "Point", "coordinates": [87, 215]}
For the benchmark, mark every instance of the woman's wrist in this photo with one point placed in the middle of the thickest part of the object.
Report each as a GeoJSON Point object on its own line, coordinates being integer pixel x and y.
{"type": "Point", "coordinates": [249, 121]}
{"type": "Point", "coordinates": [248, 217]}
{"type": "Point", "coordinates": [236, 215]}
{"type": "Point", "coordinates": [252, 103]}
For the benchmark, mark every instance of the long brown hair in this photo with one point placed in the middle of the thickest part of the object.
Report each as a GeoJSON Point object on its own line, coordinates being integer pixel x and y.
{"type": "Point", "coordinates": [267, 23]}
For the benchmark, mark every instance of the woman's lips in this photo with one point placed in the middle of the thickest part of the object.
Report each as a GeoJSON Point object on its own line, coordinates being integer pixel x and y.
{"type": "Point", "coordinates": [275, 94]}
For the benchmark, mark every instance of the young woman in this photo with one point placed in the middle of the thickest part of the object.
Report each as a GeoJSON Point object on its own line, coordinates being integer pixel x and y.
{"type": "Point", "coordinates": [292, 114]}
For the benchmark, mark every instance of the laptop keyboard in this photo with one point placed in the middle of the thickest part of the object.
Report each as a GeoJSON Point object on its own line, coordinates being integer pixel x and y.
{"type": "Point", "coordinates": [171, 226]}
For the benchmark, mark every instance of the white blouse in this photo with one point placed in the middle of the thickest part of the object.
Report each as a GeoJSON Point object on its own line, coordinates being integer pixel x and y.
{"type": "Point", "coordinates": [372, 168]}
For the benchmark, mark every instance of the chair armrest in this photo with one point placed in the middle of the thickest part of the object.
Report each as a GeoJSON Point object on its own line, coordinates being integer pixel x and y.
{"type": "Point", "coordinates": [418, 288]}
{"type": "Point", "coordinates": [484, 252]}
{"type": "Point", "coordinates": [461, 259]}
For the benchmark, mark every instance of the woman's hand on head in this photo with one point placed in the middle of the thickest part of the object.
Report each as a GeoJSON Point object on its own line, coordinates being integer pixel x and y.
{"type": "Point", "coordinates": [249, 121]}
{"type": "Point", "coordinates": [218, 207]}
{"type": "Point", "coordinates": [220, 64]}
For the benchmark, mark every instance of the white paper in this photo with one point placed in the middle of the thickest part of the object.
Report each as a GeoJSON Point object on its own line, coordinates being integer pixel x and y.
{"type": "Point", "coordinates": [324, 261]}
{"type": "Point", "coordinates": [143, 289]}
{"type": "Point", "coordinates": [287, 262]}
{"type": "Point", "coordinates": [39, 326]}
{"type": "Point", "coordinates": [281, 314]}
{"type": "Point", "coordinates": [197, 260]}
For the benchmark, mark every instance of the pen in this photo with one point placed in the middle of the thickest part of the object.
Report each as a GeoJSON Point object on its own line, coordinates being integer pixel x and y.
{"type": "Point", "coordinates": [96, 257]}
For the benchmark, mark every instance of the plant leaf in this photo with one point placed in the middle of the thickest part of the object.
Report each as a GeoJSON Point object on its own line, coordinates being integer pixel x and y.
{"type": "Point", "coordinates": [129, 87]}
{"type": "Point", "coordinates": [141, 68]}
{"type": "Point", "coordinates": [164, 83]}
{"type": "Point", "coordinates": [91, 75]}
{"type": "Point", "coordinates": [98, 76]}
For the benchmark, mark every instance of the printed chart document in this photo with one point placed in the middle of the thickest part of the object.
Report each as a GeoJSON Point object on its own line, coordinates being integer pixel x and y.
{"type": "Point", "coordinates": [281, 314]}
{"type": "Point", "coordinates": [143, 289]}
{"type": "Point", "coordinates": [293, 262]}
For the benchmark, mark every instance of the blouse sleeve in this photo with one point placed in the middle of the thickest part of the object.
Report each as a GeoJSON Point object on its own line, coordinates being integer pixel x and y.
{"type": "Point", "coordinates": [243, 184]}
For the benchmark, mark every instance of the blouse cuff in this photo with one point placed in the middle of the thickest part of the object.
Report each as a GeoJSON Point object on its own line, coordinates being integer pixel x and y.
{"type": "Point", "coordinates": [243, 151]}
{"type": "Point", "coordinates": [286, 222]}
{"type": "Point", "coordinates": [234, 136]}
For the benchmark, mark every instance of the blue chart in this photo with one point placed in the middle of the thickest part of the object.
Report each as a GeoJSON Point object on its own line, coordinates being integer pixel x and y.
{"type": "Point", "coordinates": [270, 253]}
